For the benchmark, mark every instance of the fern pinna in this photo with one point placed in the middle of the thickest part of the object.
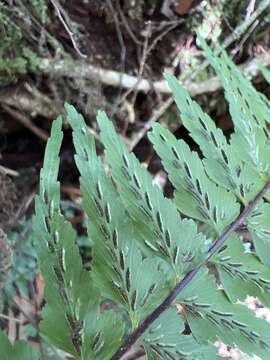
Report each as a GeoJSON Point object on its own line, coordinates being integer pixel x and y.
{"type": "Point", "coordinates": [151, 253]}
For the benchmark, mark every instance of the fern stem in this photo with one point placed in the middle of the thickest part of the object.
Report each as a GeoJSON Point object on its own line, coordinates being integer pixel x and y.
{"type": "Point", "coordinates": [135, 335]}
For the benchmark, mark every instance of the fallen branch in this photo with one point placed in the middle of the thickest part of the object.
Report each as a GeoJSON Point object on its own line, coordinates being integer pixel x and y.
{"type": "Point", "coordinates": [78, 69]}
{"type": "Point", "coordinates": [28, 100]}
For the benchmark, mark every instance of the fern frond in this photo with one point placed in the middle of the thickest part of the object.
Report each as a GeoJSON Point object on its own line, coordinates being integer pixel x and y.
{"type": "Point", "coordinates": [222, 163]}
{"type": "Point", "coordinates": [249, 113]}
{"type": "Point", "coordinates": [242, 273]}
{"type": "Point", "coordinates": [167, 342]}
{"type": "Point", "coordinates": [195, 194]}
{"type": "Point", "coordinates": [211, 316]}
{"type": "Point", "coordinates": [117, 261]}
{"type": "Point", "coordinates": [146, 257]}
{"type": "Point", "coordinates": [72, 302]}
{"type": "Point", "coordinates": [213, 310]}
{"type": "Point", "coordinates": [259, 227]}
{"type": "Point", "coordinates": [103, 334]}
{"type": "Point", "coordinates": [155, 217]}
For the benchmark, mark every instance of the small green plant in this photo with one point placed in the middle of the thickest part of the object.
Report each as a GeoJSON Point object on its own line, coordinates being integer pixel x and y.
{"type": "Point", "coordinates": [150, 252]}
{"type": "Point", "coordinates": [24, 259]}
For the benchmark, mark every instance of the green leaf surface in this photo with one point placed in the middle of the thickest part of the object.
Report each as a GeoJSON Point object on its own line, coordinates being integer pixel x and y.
{"type": "Point", "coordinates": [259, 227]}
{"type": "Point", "coordinates": [211, 316]}
{"type": "Point", "coordinates": [104, 333]}
{"type": "Point", "coordinates": [117, 260]}
{"type": "Point", "coordinates": [222, 162]}
{"type": "Point", "coordinates": [72, 301]}
{"type": "Point", "coordinates": [155, 217]}
{"type": "Point", "coordinates": [195, 194]}
{"type": "Point", "coordinates": [164, 340]}
{"type": "Point", "coordinates": [20, 351]}
{"type": "Point", "coordinates": [242, 274]}
{"type": "Point", "coordinates": [68, 289]}
{"type": "Point", "coordinates": [250, 113]}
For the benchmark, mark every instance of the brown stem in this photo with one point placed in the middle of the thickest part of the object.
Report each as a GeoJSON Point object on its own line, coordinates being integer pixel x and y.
{"type": "Point", "coordinates": [132, 338]}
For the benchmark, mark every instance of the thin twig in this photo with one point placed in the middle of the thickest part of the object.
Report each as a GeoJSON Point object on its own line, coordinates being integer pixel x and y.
{"type": "Point", "coordinates": [146, 54]}
{"type": "Point", "coordinates": [164, 33]}
{"type": "Point", "coordinates": [126, 25]}
{"type": "Point", "coordinates": [250, 9]}
{"type": "Point", "coordinates": [11, 318]}
{"type": "Point", "coordinates": [42, 134]}
{"type": "Point", "coordinates": [27, 316]}
{"type": "Point", "coordinates": [131, 339]}
{"type": "Point", "coordinates": [147, 126]}
{"type": "Point", "coordinates": [61, 15]}
{"type": "Point", "coordinates": [26, 204]}
{"type": "Point", "coordinates": [245, 37]}
{"type": "Point", "coordinates": [8, 171]}
{"type": "Point", "coordinates": [143, 60]}
{"type": "Point", "coordinates": [122, 47]}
